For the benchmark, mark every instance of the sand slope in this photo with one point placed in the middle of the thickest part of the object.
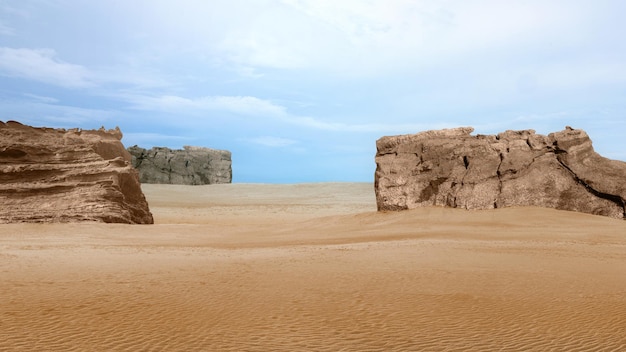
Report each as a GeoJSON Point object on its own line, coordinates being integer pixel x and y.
{"type": "Point", "coordinates": [314, 267]}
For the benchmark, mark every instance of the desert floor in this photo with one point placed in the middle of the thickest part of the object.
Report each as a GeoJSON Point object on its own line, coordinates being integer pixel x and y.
{"type": "Point", "coordinates": [248, 267]}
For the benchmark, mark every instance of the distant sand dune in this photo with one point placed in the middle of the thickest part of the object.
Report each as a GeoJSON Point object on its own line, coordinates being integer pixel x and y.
{"type": "Point", "coordinates": [314, 267]}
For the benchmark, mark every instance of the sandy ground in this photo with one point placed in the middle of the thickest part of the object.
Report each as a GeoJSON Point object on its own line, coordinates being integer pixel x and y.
{"type": "Point", "coordinates": [313, 267]}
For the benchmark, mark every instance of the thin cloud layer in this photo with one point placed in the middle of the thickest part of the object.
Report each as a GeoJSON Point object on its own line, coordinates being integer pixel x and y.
{"type": "Point", "coordinates": [237, 104]}
{"type": "Point", "coordinates": [274, 142]}
{"type": "Point", "coordinates": [43, 66]}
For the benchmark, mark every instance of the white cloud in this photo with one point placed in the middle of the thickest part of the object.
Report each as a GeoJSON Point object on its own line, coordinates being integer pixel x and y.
{"type": "Point", "coordinates": [6, 30]}
{"type": "Point", "coordinates": [13, 11]}
{"type": "Point", "coordinates": [388, 127]}
{"type": "Point", "coordinates": [358, 21]}
{"type": "Point", "coordinates": [248, 72]}
{"type": "Point", "coordinates": [379, 36]}
{"type": "Point", "coordinates": [350, 37]}
{"type": "Point", "coordinates": [245, 105]}
{"type": "Point", "coordinates": [269, 141]}
{"type": "Point", "coordinates": [38, 110]}
{"type": "Point", "coordinates": [575, 73]}
{"type": "Point", "coordinates": [40, 98]}
{"type": "Point", "coordinates": [41, 65]}
{"type": "Point", "coordinates": [550, 116]}
{"type": "Point", "coordinates": [39, 113]}
{"type": "Point", "coordinates": [130, 76]}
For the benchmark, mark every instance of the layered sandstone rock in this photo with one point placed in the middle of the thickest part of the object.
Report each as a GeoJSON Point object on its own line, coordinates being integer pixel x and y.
{"type": "Point", "coordinates": [57, 175]}
{"type": "Point", "coordinates": [514, 168]}
{"type": "Point", "coordinates": [189, 166]}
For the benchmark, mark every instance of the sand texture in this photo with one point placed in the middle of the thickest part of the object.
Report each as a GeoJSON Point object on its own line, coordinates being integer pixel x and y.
{"type": "Point", "coordinates": [313, 267]}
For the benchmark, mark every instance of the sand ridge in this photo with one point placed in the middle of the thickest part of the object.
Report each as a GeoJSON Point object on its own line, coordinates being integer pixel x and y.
{"type": "Point", "coordinates": [314, 267]}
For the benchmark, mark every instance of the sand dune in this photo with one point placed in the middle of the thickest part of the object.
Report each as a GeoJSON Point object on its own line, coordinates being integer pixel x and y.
{"type": "Point", "coordinates": [314, 267]}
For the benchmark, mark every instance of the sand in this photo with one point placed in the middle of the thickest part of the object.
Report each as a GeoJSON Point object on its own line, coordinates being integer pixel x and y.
{"type": "Point", "coordinates": [314, 267]}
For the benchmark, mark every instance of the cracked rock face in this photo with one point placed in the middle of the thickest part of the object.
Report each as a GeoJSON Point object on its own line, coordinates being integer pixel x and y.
{"type": "Point", "coordinates": [57, 175]}
{"type": "Point", "coordinates": [514, 168]}
{"type": "Point", "coordinates": [190, 166]}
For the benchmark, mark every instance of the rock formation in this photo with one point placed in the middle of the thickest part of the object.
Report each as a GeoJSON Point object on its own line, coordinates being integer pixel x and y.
{"type": "Point", "coordinates": [190, 166]}
{"type": "Point", "coordinates": [57, 175]}
{"type": "Point", "coordinates": [514, 168]}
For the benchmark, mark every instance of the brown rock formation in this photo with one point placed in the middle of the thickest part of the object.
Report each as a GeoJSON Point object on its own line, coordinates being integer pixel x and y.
{"type": "Point", "coordinates": [514, 168]}
{"type": "Point", "coordinates": [57, 175]}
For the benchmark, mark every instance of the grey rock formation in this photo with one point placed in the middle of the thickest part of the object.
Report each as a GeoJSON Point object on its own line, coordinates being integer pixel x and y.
{"type": "Point", "coordinates": [189, 166]}
{"type": "Point", "coordinates": [514, 168]}
{"type": "Point", "coordinates": [58, 175]}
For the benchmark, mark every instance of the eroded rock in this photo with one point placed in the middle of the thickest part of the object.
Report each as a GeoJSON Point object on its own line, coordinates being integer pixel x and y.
{"type": "Point", "coordinates": [514, 168]}
{"type": "Point", "coordinates": [189, 166]}
{"type": "Point", "coordinates": [58, 175]}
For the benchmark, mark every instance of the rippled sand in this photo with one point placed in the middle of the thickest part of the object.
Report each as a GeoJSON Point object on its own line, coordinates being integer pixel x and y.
{"type": "Point", "coordinates": [314, 267]}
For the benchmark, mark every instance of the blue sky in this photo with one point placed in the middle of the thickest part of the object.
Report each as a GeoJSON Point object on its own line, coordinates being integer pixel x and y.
{"type": "Point", "coordinates": [299, 90]}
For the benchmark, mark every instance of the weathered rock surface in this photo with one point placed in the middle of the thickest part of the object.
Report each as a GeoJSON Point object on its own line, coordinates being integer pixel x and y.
{"type": "Point", "coordinates": [514, 168]}
{"type": "Point", "coordinates": [189, 166]}
{"type": "Point", "coordinates": [57, 175]}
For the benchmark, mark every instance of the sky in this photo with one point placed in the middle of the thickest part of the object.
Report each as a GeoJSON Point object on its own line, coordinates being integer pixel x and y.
{"type": "Point", "coordinates": [300, 90]}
